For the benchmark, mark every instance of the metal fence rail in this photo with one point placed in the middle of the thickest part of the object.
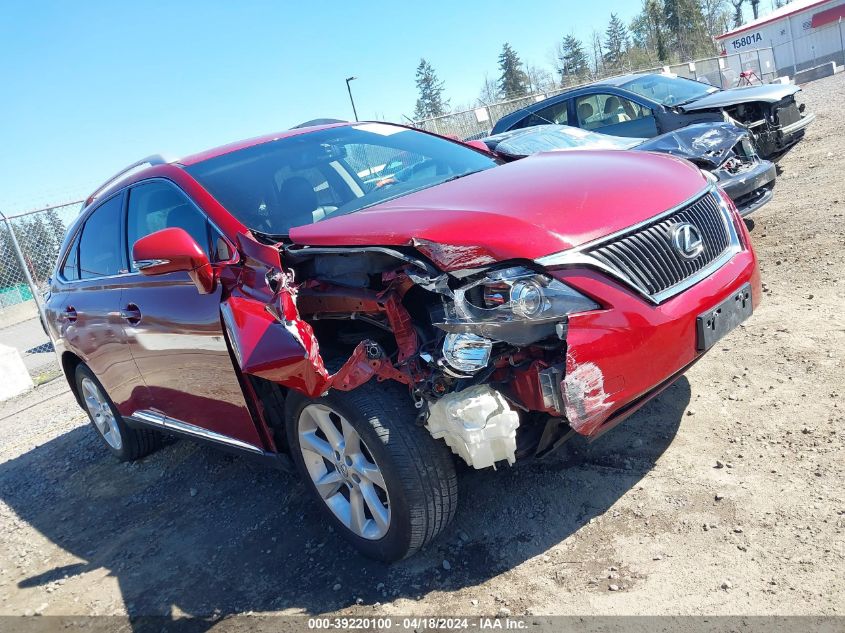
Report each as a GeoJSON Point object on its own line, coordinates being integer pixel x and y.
{"type": "Point", "coordinates": [29, 246]}
{"type": "Point", "coordinates": [724, 71]}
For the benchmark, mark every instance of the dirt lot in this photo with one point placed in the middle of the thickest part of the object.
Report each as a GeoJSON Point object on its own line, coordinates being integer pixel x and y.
{"type": "Point", "coordinates": [724, 496]}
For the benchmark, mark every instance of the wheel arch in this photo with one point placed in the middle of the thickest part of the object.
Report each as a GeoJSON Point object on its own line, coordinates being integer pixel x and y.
{"type": "Point", "coordinates": [70, 362]}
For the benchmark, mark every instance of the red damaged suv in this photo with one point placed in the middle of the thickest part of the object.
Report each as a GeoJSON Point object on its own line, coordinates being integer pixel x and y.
{"type": "Point", "coordinates": [366, 300]}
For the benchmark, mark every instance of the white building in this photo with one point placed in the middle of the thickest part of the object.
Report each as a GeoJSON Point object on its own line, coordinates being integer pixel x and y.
{"type": "Point", "coordinates": [803, 34]}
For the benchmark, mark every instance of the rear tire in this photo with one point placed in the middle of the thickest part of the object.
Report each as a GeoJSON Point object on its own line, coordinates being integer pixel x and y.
{"type": "Point", "coordinates": [124, 442]}
{"type": "Point", "coordinates": [417, 490]}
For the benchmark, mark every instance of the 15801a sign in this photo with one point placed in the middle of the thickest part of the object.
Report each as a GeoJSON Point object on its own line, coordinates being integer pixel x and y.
{"type": "Point", "coordinates": [746, 40]}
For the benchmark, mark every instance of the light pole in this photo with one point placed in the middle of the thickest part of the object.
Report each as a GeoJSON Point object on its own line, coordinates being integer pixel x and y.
{"type": "Point", "coordinates": [351, 100]}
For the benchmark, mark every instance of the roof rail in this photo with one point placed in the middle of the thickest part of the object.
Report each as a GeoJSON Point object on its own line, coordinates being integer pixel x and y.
{"type": "Point", "coordinates": [155, 159]}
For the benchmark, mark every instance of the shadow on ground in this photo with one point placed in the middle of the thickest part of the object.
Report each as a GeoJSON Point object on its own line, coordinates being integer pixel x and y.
{"type": "Point", "coordinates": [248, 539]}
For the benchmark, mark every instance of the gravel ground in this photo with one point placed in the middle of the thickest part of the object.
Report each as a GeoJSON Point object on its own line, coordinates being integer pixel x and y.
{"type": "Point", "coordinates": [723, 496]}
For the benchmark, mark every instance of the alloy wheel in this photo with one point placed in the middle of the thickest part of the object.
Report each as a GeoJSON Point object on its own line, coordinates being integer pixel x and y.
{"type": "Point", "coordinates": [101, 413]}
{"type": "Point", "coordinates": [344, 471]}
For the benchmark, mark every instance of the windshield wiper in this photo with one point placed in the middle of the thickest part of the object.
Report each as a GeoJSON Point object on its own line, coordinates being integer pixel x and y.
{"type": "Point", "coordinates": [456, 176]}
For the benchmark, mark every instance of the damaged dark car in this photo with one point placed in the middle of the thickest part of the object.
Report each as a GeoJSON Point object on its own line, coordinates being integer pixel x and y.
{"type": "Point", "coordinates": [723, 150]}
{"type": "Point", "coordinates": [645, 105]}
{"type": "Point", "coordinates": [278, 298]}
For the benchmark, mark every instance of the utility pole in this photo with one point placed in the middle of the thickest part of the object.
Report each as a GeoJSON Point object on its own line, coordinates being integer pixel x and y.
{"type": "Point", "coordinates": [351, 100]}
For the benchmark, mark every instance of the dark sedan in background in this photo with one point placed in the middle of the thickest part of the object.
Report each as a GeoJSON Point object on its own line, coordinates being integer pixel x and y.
{"type": "Point", "coordinates": [645, 105]}
{"type": "Point", "coordinates": [720, 149]}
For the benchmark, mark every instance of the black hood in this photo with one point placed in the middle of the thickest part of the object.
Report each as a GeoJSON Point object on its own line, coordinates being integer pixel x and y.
{"type": "Point", "coordinates": [767, 93]}
{"type": "Point", "coordinates": [707, 143]}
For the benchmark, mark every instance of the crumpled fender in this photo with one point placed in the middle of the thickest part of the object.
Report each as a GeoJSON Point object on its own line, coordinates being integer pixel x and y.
{"type": "Point", "coordinates": [271, 341]}
{"type": "Point", "coordinates": [707, 143]}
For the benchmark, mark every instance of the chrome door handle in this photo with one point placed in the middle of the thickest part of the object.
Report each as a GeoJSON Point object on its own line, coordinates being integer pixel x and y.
{"type": "Point", "coordinates": [70, 314]}
{"type": "Point", "coordinates": [131, 313]}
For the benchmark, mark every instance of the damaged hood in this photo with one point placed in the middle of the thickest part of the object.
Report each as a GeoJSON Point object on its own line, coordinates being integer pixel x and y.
{"type": "Point", "coordinates": [707, 143]}
{"type": "Point", "coordinates": [768, 93]}
{"type": "Point", "coordinates": [526, 209]}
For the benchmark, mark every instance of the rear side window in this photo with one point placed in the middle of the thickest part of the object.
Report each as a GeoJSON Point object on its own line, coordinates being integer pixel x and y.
{"type": "Point", "coordinates": [557, 114]}
{"type": "Point", "coordinates": [99, 247]}
{"type": "Point", "coordinates": [70, 269]}
{"type": "Point", "coordinates": [159, 205]}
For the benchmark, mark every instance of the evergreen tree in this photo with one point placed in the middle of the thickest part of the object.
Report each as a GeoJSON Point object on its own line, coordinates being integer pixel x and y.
{"type": "Point", "coordinates": [56, 230]}
{"type": "Point", "coordinates": [10, 270]}
{"type": "Point", "coordinates": [430, 102]}
{"type": "Point", "coordinates": [574, 66]}
{"type": "Point", "coordinates": [38, 246]}
{"type": "Point", "coordinates": [512, 82]}
{"type": "Point", "coordinates": [653, 10]}
{"type": "Point", "coordinates": [686, 29]}
{"type": "Point", "coordinates": [616, 42]}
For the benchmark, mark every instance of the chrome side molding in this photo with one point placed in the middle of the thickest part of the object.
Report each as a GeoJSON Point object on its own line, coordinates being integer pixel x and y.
{"type": "Point", "coordinates": [178, 426]}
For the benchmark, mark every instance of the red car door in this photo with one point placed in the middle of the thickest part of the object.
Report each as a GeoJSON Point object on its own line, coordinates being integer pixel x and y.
{"type": "Point", "coordinates": [175, 333]}
{"type": "Point", "coordinates": [87, 306]}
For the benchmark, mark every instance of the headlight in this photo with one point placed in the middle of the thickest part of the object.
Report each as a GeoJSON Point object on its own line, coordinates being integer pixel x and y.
{"type": "Point", "coordinates": [467, 352]}
{"type": "Point", "coordinates": [514, 305]}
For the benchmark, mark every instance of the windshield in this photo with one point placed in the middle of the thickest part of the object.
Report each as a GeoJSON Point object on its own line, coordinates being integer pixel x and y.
{"type": "Point", "coordinates": [310, 177]}
{"type": "Point", "coordinates": [670, 91]}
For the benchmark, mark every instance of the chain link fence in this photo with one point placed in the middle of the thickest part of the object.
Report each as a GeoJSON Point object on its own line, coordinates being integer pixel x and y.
{"type": "Point", "coordinates": [29, 246]}
{"type": "Point", "coordinates": [724, 71]}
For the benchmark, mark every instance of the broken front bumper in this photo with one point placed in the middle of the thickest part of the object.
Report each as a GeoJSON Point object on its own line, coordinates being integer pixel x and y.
{"type": "Point", "coordinates": [619, 357]}
{"type": "Point", "coordinates": [750, 189]}
{"type": "Point", "coordinates": [798, 126]}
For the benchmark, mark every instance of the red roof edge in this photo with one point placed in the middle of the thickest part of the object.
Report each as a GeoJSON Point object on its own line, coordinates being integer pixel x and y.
{"type": "Point", "coordinates": [827, 16]}
{"type": "Point", "coordinates": [769, 20]}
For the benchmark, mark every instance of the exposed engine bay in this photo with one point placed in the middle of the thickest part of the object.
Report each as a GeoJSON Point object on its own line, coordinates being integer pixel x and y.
{"type": "Point", "coordinates": [769, 123]}
{"type": "Point", "coordinates": [388, 314]}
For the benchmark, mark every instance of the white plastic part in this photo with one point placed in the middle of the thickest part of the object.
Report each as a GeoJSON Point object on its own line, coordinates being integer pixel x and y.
{"type": "Point", "coordinates": [478, 424]}
{"type": "Point", "coordinates": [14, 377]}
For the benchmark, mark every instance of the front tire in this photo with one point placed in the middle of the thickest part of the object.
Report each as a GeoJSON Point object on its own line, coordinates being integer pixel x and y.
{"type": "Point", "coordinates": [384, 482]}
{"type": "Point", "coordinates": [125, 443]}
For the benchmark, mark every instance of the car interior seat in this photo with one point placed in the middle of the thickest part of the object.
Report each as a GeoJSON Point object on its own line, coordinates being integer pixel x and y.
{"type": "Point", "coordinates": [585, 112]}
{"type": "Point", "coordinates": [298, 201]}
{"type": "Point", "coordinates": [613, 111]}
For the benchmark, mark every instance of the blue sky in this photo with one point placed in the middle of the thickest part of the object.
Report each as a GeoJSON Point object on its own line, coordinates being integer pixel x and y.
{"type": "Point", "coordinates": [89, 87]}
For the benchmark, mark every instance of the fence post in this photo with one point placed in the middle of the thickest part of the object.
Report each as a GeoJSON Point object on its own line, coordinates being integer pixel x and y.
{"type": "Point", "coordinates": [841, 44]}
{"type": "Point", "coordinates": [36, 295]}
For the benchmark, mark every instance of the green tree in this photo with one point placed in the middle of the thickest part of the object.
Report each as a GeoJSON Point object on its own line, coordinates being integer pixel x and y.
{"type": "Point", "coordinates": [616, 42]}
{"type": "Point", "coordinates": [513, 81]}
{"type": "Point", "coordinates": [56, 229]}
{"type": "Point", "coordinates": [430, 103]}
{"type": "Point", "coordinates": [573, 65]}
{"type": "Point", "coordinates": [656, 23]}
{"type": "Point", "coordinates": [686, 29]}
{"type": "Point", "coordinates": [10, 270]}
{"type": "Point", "coordinates": [38, 246]}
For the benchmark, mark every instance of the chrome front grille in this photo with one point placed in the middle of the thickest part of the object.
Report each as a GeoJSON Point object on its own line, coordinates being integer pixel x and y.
{"type": "Point", "coordinates": [646, 256]}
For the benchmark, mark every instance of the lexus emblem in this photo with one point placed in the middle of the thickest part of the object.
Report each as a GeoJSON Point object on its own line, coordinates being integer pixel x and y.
{"type": "Point", "coordinates": [687, 240]}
